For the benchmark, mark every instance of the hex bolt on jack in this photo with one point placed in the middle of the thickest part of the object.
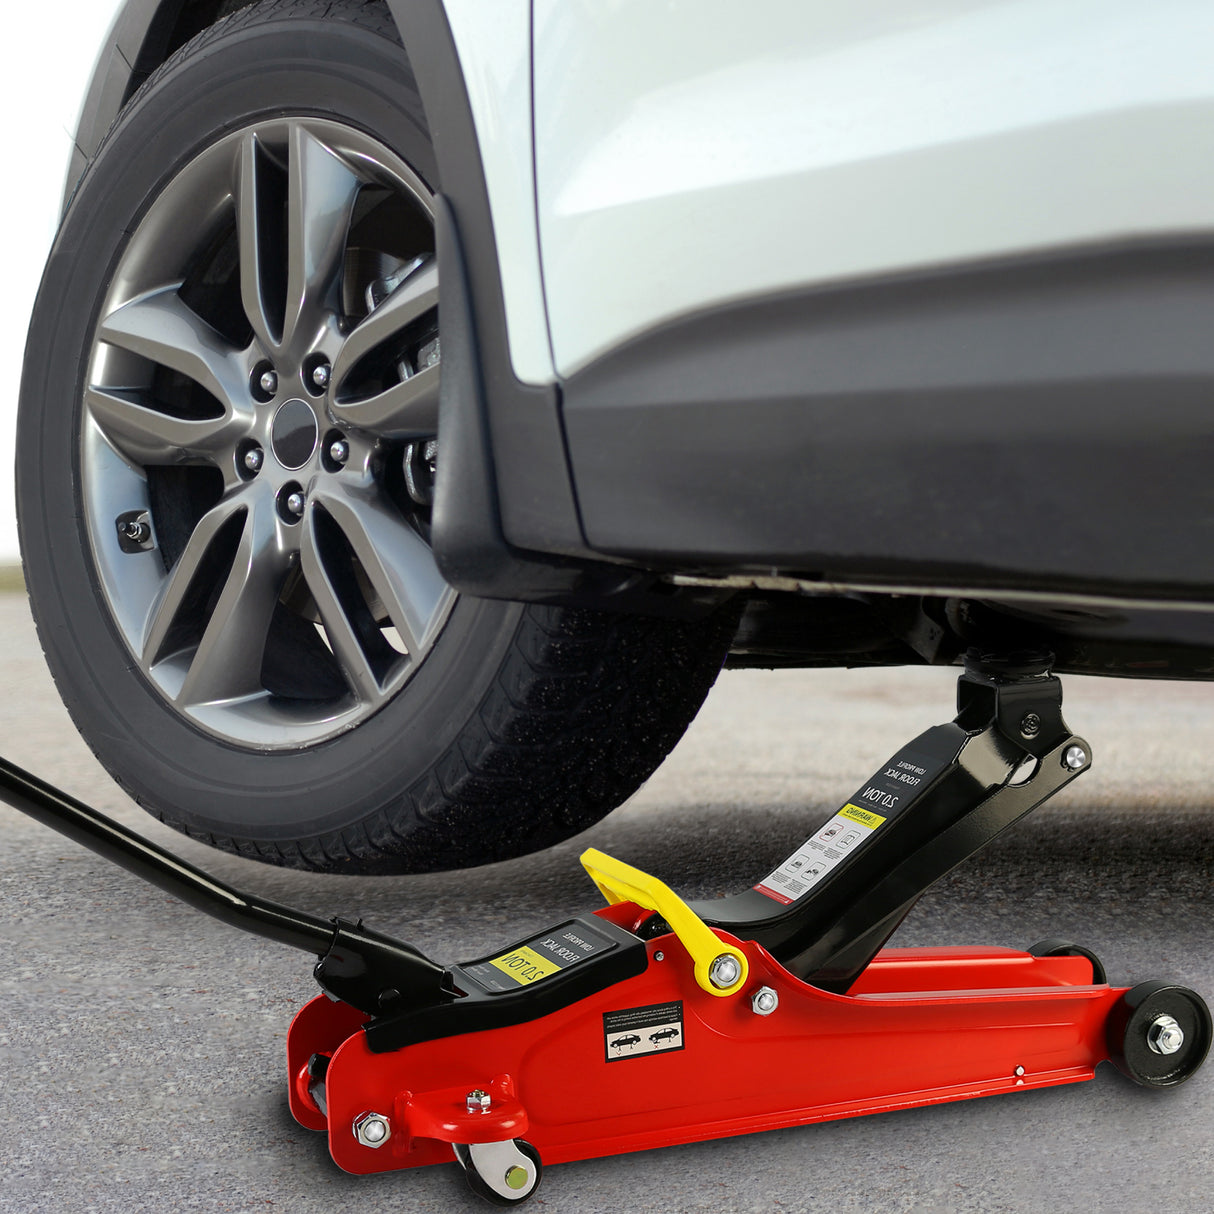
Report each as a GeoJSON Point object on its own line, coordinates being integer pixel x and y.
{"type": "Point", "coordinates": [372, 1130]}
{"type": "Point", "coordinates": [725, 971]}
{"type": "Point", "coordinates": [764, 1001]}
{"type": "Point", "coordinates": [641, 999]}
{"type": "Point", "coordinates": [1075, 758]}
{"type": "Point", "coordinates": [1165, 1036]}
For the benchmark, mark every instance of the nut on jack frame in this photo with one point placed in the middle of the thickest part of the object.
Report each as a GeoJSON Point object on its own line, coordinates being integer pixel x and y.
{"type": "Point", "coordinates": [404, 1062]}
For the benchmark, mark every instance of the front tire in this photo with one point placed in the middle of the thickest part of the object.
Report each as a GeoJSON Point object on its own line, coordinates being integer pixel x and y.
{"type": "Point", "coordinates": [227, 419]}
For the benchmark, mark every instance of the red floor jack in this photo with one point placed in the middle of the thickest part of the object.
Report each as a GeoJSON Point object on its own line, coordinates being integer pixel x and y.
{"type": "Point", "coordinates": [651, 1022]}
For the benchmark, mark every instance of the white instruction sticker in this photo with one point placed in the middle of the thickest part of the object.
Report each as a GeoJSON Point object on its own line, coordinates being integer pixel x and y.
{"type": "Point", "coordinates": [636, 1031]}
{"type": "Point", "coordinates": [846, 831]}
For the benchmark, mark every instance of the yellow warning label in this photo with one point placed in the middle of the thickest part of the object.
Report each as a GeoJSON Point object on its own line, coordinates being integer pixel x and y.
{"type": "Point", "coordinates": [525, 965]}
{"type": "Point", "coordinates": [864, 816]}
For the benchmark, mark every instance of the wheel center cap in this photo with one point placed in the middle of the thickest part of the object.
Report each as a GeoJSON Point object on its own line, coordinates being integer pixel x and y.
{"type": "Point", "coordinates": [293, 436]}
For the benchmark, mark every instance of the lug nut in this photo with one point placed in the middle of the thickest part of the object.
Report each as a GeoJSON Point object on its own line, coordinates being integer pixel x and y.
{"type": "Point", "coordinates": [764, 1001]}
{"type": "Point", "coordinates": [725, 971]}
{"type": "Point", "coordinates": [320, 375]}
{"type": "Point", "coordinates": [479, 1101]}
{"type": "Point", "coordinates": [1074, 758]}
{"type": "Point", "coordinates": [1165, 1036]}
{"type": "Point", "coordinates": [339, 450]}
{"type": "Point", "coordinates": [372, 1129]}
{"type": "Point", "coordinates": [295, 504]}
{"type": "Point", "coordinates": [268, 383]}
{"type": "Point", "coordinates": [253, 459]}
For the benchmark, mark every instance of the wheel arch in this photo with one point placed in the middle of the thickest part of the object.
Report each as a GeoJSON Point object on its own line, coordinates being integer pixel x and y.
{"type": "Point", "coordinates": [143, 34]}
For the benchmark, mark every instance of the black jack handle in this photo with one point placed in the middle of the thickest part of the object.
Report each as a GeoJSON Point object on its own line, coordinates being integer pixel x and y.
{"type": "Point", "coordinates": [372, 972]}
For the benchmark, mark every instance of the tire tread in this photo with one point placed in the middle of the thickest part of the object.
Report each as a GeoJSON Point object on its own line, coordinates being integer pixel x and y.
{"type": "Point", "coordinates": [521, 775]}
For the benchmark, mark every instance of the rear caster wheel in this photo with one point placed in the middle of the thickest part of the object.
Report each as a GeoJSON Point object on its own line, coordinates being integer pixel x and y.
{"type": "Point", "coordinates": [1159, 1034]}
{"type": "Point", "coordinates": [1064, 948]}
{"type": "Point", "coordinates": [504, 1173]}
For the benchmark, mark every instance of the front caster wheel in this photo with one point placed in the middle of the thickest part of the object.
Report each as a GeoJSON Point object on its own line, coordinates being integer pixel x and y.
{"type": "Point", "coordinates": [1159, 1034]}
{"type": "Point", "coordinates": [504, 1173]}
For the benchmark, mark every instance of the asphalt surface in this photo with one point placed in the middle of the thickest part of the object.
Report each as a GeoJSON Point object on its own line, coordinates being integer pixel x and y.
{"type": "Point", "coordinates": [142, 1043]}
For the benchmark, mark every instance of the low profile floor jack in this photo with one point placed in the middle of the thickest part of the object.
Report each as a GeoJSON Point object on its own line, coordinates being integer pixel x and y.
{"type": "Point", "coordinates": [650, 1021]}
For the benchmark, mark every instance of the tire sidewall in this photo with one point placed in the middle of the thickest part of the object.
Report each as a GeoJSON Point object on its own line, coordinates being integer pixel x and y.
{"type": "Point", "coordinates": [327, 69]}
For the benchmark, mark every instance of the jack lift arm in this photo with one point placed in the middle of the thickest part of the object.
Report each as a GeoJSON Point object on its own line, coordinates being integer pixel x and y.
{"type": "Point", "coordinates": [652, 1022]}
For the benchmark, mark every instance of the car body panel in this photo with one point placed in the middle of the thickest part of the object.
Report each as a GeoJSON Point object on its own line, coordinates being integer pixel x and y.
{"type": "Point", "coordinates": [493, 40]}
{"type": "Point", "coordinates": [1031, 425]}
{"type": "Point", "coordinates": [675, 144]}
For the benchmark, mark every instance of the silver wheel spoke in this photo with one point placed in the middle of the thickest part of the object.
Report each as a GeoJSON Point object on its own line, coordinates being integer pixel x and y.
{"type": "Point", "coordinates": [251, 239]}
{"type": "Point", "coordinates": [227, 663]}
{"type": "Point", "coordinates": [147, 436]}
{"type": "Point", "coordinates": [347, 647]}
{"type": "Point", "coordinates": [321, 193]}
{"type": "Point", "coordinates": [168, 605]}
{"type": "Point", "coordinates": [412, 299]}
{"type": "Point", "coordinates": [405, 410]}
{"type": "Point", "coordinates": [160, 327]}
{"type": "Point", "coordinates": [396, 560]}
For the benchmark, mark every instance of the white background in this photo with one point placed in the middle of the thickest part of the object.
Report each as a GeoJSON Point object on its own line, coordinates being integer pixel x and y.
{"type": "Point", "coordinates": [51, 50]}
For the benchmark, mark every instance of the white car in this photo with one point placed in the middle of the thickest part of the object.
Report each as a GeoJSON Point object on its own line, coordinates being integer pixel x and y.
{"type": "Point", "coordinates": [425, 397]}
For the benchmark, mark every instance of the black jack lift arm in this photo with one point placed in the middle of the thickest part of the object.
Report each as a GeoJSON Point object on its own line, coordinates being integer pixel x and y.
{"type": "Point", "coordinates": [940, 799]}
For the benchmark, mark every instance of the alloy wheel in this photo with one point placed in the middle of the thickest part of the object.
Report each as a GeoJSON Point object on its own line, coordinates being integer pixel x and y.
{"type": "Point", "coordinates": [258, 439]}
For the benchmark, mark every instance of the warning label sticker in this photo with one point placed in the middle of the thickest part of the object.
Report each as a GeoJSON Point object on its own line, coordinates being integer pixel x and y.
{"type": "Point", "coordinates": [540, 957]}
{"type": "Point", "coordinates": [884, 795]}
{"type": "Point", "coordinates": [819, 854]}
{"type": "Point", "coordinates": [637, 1031]}
{"type": "Point", "coordinates": [524, 964]}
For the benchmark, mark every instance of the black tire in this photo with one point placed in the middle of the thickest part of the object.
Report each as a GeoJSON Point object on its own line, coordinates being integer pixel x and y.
{"type": "Point", "coordinates": [1129, 1032]}
{"type": "Point", "coordinates": [477, 1183]}
{"type": "Point", "coordinates": [520, 726]}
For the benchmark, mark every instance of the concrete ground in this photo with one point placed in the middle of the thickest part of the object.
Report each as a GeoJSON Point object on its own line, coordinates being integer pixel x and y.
{"type": "Point", "coordinates": [142, 1042]}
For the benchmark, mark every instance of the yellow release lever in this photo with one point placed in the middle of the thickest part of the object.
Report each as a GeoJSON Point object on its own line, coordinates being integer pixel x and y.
{"type": "Point", "coordinates": [620, 882]}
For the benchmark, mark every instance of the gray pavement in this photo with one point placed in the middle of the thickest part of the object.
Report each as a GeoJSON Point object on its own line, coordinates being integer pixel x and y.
{"type": "Point", "coordinates": [142, 1043]}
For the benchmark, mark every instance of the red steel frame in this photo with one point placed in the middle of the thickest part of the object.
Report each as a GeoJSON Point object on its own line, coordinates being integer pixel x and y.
{"type": "Point", "coordinates": [921, 1026]}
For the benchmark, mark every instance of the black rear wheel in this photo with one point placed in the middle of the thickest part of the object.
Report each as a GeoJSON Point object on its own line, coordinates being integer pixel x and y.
{"type": "Point", "coordinates": [1057, 947]}
{"type": "Point", "coordinates": [228, 433]}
